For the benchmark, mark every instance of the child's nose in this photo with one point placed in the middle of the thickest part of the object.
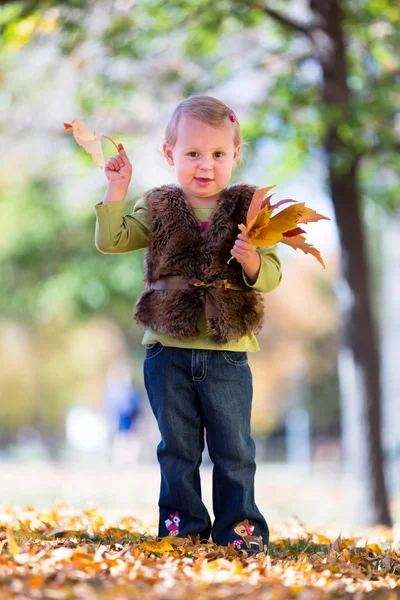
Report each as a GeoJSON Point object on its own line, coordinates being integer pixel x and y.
{"type": "Point", "coordinates": [206, 164]}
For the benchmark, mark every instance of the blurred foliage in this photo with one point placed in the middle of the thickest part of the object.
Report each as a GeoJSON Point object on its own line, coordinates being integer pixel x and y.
{"type": "Point", "coordinates": [167, 38]}
{"type": "Point", "coordinates": [48, 266]}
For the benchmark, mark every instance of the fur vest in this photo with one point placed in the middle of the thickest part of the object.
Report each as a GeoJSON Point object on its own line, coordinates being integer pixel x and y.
{"type": "Point", "coordinates": [178, 246]}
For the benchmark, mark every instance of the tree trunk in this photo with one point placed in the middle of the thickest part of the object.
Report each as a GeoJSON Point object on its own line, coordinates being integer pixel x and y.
{"type": "Point", "coordinates": [360, 355]}
{"type": "Point", "coordinates": [390, 335]}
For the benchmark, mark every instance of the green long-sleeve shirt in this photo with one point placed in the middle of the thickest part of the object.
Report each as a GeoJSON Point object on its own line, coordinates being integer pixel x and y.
{"type": "Point", "coordinates": [117, 233]}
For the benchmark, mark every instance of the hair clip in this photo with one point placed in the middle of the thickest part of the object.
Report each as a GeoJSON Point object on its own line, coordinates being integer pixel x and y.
{"type": "Point", "coordinates": [231, 115]}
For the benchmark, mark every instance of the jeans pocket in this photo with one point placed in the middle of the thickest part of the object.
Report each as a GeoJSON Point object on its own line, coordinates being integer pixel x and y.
{"type": "Point", "coordinates": [152, 350]}
{"type": "Point", "coordinates": [238, 359]}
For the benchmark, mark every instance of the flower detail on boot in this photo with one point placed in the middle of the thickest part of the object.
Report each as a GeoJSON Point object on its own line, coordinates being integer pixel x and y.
{"type": "Point", "coordinates": [173, 526]}
{"type": "Point", "coordinates": [245, 530]}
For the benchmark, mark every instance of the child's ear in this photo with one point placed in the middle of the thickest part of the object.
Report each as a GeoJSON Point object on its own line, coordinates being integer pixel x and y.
{"type": "Point", "coordinates": [168, 154]}
{"type": "Point", "coordinates": [236, 155]}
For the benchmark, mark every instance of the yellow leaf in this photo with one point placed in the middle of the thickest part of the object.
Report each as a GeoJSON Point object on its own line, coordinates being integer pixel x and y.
{"type": "Point", "coordinates": [271, 232]}
{"type": "Point", "coordinates": [266, 238]}
{"type": "Point", "coordinates": [322, 539]}
{"type": "Point", "coordinates": [174, 540]}
{"type": "Point", "coordinates": [375, 549]}
{"type": "Point", "coordinates": [348, 542]}
{"type": "Point", "coordinates": [288, 218]}
{"type": "Point", "coordinates": [258, 222]}
{"type": "Point", "coordinates": [162, 546]}
{"type": "Point", "coordinates": [12, 544]}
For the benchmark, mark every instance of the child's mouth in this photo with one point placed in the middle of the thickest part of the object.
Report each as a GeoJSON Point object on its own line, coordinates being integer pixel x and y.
{"type": "Point", "coordinates": [202, 180]}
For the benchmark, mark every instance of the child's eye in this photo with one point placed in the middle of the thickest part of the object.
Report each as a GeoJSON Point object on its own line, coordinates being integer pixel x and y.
{"type": "Point", "coordinates": [217, 154]}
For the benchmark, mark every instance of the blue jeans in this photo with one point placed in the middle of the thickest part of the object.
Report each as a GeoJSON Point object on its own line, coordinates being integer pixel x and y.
{"type": "Point", "coordinates": [191, 391]}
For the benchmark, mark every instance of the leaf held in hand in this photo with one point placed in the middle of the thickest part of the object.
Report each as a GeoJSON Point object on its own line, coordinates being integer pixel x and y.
{"type": "Point", "coordinates": [265, 229]}
{"type": "Point", "coordinates": [89, 140]}
{"type": "Point", "coordinates": [299, 242]}
{"type": "Point", "coordinates": [256, 203]}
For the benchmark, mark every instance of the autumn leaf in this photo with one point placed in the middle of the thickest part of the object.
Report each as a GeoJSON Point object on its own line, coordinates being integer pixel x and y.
{"type": "Point", "coordinates": [89, 140]}
{"type": "Point", "coordinates": [302, 563]}
{"type": "Point", "coordinates": [311, 217]}
{"type": "Point", "coordinates": [174, 540]}
{"type": "Point", "coordinates": [346, 555]}
{"type": "Point", "coordinates": [162, 546]}
{"type": "Point", "coordinates": [277, 225]}
{"type": "Point", "coordinates": [264, 228]}
{"type": "Point", "coordinates": [375, 549]}
{"type": "Point", "coordinates": [257, 203]}
{"type": "Point", "coordinates": [12, 544]}
{"type": "Point", "coordinates": [298, 242]}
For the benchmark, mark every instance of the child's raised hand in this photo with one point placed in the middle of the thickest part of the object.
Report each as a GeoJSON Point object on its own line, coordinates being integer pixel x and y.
{"type": "Point", "coordinates": [118, 169]}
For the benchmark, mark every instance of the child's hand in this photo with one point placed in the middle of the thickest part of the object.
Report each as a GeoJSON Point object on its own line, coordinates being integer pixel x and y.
{"type": "Point", "coordinates": [118, 169]}
{"type": "Point", "coordinates": [243, 251]}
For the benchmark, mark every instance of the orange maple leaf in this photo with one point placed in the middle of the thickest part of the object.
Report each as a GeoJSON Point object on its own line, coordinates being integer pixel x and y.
{"type": "Point", "coordinates": [263, 228]}
{"type": "Point", "coordinates": [257, 203]}
{"type": "Point", "coordinates": [89, 140]}
{"type": "Point", "coordinates": [299, 242]}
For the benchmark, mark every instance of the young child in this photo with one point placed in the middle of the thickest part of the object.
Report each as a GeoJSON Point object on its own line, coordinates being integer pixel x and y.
{"type": "Point", "coordinates": [200, 316]}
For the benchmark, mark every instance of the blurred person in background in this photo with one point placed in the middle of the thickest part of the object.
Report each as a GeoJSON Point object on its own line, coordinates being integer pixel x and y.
{"type": "Point", "coordinates": [122, 402]}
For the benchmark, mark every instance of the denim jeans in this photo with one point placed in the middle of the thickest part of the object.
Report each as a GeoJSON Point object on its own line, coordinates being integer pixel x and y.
{"type": "Point", "coordinates": [192, 391]}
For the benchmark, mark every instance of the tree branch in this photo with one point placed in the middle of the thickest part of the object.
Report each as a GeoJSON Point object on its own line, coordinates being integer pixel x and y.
{"type": "Point", "coordinates": [284, 20]}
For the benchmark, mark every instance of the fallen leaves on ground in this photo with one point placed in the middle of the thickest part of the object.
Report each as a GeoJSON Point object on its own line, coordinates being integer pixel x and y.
{"type": "Point", "coordinates": [65, 554]}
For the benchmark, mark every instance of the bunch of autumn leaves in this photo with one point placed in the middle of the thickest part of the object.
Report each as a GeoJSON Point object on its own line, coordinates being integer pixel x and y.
{"type": "Point", "coordinates": [263, 227]}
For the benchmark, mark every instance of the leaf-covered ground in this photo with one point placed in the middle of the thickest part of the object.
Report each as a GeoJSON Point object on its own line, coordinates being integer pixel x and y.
{"type": "Point", "coordinates": [64, 554]}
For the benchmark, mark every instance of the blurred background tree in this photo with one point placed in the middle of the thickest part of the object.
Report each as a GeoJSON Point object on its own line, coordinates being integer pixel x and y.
{"type": "Point", "coordinates": [320, 79]}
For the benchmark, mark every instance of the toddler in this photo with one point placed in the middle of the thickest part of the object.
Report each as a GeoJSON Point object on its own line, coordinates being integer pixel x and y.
{"type": "Point", "coordinates": [200, 316]}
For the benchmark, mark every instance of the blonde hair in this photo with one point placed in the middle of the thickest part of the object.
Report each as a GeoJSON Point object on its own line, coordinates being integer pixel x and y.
{"type": "Point", "coordinates": [206, 109]}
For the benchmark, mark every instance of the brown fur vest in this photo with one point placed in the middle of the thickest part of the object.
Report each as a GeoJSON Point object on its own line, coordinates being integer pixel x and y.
{"type": "Point", "coordinates": [178, 247]}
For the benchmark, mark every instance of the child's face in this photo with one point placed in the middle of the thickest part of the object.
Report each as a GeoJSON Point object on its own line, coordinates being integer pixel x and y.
{"type": "Point", "coordinates": [203, 157]}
